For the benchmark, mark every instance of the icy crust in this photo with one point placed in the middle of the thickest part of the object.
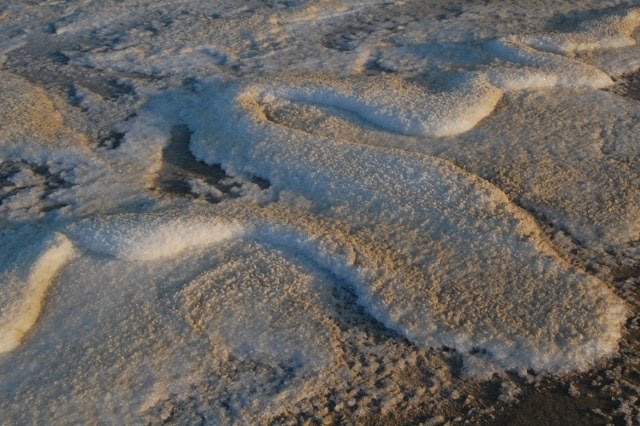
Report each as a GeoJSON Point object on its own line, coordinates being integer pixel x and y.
{"type": "Point", "coordinates": [160, 238]}
{"type": "Point", "coordinates": [155, 328]}
{"type": "Point", "coordinates": [46, 166]}
{"type": "Point", "coordinates": [266, 303]}
{"type": "Point", "coordinates": [24, 286]}
{"type": "Point", "coordinates": [616, 62]}
{"type": "Point", "coordinates": [34, 118]}
{"type": "Point", "coordinates": [550, 58]}
{"type": "Point", "coordinates": [529, 69]}
{"type": "Point", "coordinates": [393, 104]}
{"type": "Point", "coordinates": [573, 158]}
{"type": "Point", "coordinates": [481, 274]}
{"type": "Point", "coordinates": [607, 32]}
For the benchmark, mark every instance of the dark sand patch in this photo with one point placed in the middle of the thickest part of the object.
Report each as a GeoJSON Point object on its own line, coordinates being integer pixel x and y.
{"type": "Point", "coordinates": [628, 86]}
{"type": "Point", "coordinates": [179, 167]}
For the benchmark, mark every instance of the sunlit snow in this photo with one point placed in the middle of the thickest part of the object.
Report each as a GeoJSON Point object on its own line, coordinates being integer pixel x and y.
{"type": "Point", "coordinates": [227, 208]}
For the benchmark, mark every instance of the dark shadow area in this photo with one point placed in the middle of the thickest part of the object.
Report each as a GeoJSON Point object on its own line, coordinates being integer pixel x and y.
{"type": "Point", "coordinates": [112, 141]}
{"type": "Point", "coordinates": [555, 408]}
{"type": "Point", "coordinates": [49, 182]}
{"type": "Point", "coordinates": [628, 86]}
{"type": "Point", "coordinates": [180, 166]}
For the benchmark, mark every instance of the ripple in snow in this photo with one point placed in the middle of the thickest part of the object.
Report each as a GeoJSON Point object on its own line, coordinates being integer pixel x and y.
{"type": "Point", "coordinates": [477, 271]}
{"type": "Point", "coordinates": [25, 285]}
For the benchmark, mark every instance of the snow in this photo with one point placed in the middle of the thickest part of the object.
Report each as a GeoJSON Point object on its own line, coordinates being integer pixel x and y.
{"type": "Point", "coordinates": [607, 32]}
{"type": "Point", "coordinates": [7, 46]}
{"type": "Point", "coordinates": [391, 104]}
{"type": "Point", "coordinates": [539, 70]}
{"type": "Point", "coordinates": [234, 208]}
{"type": "Point", "coordinates": [391, 195]}
{"type": "Point", "coordinates": [24, 296]}
{"type": "Point", "coordinates": [156, 239]}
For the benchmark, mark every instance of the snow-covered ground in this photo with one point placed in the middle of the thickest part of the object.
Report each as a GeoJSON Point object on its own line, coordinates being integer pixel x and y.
{"type": "Point", "coordinates": [241, 212]}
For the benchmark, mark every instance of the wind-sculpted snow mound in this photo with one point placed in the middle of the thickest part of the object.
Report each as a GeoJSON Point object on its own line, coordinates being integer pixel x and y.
{"type": "Point", "coordinates": [525, 68]}
{"type": "Point", "coordinates": [35, 117]}
{"type": "Point", "coordinates": [544, 176]}
{"type": "Point", "coordinates": [429, 252]}
{"type": "Point", "coordinates": [268, 311]}
{"type": "Point", "coordinates": [507, 63]}
{"type": "Point", "coordinates": [25, 284]}
{"type": "Point", "coordinates": [161, 237]}
{"type": "Point", "coordinates": [155, 299]}
{"type": "Point", "coordinates": [585, 57]}
{"type": "Point", "coordinates": [392, 104]}
{"type": "Point", "coordinates": [472, 270]}
{"type": "Point", "coordinates": [366, 239]}
{"type": "Point", "coordinates": [582, 174]}
{"type": "Point", "coordinates": [606, 32]}
{"type": "Point", "coordinates": [266, 302]}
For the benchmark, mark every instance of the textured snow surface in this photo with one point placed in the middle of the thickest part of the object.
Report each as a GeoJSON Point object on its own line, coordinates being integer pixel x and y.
{"type": "Point", "coordinates": [24, 295]}
{"type": "Point", "coordinates": [390, 104]}
{"type": "Point", "coordinates": [608, 32]}
{"type": "Point", "coordinates": [158, 238]}
{"type": "Point", "coordinates": [429, 205]}
{"type": "Point", "coordinates": [230, 209]}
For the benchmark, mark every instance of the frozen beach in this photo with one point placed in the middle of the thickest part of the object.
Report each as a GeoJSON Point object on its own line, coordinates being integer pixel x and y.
{"type": "Point", "coordinates": [319, 212]}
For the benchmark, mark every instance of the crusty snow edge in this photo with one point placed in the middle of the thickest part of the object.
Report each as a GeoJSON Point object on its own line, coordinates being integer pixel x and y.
{"type": "Point", "coordinates": [20, 316]}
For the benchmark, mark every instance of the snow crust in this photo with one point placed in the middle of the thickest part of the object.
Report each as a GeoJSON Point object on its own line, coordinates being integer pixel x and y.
{"type": "Point", "coordinates": [392, 104]}
{"type": "Point", "coordinates": [607, 32]}
{"type": "Point", "coordinates": [433, 192]}
{"type": "Point", "coordinates": [372, 185]}
{"type": "Point", "coordinates": [159, 238]}
{"type": "Point", "coordinates": [23, 296]}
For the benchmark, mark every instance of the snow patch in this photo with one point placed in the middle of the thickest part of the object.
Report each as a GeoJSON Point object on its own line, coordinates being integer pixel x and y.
{"type": "Point", "coordinates": [9, 45]}
{"type": "Point", "coordinates": [608, 32]}
{"type": "Point", "coordinates": [531, 69]}
{"type": "Point", "coordinates": [490, 280]}
{"type": "Point", "coordinates": [23, 299]}
{"type": "Point", "coordinates": [391, 104]}
{"type": "Point", "coordinates": [157, 238]}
